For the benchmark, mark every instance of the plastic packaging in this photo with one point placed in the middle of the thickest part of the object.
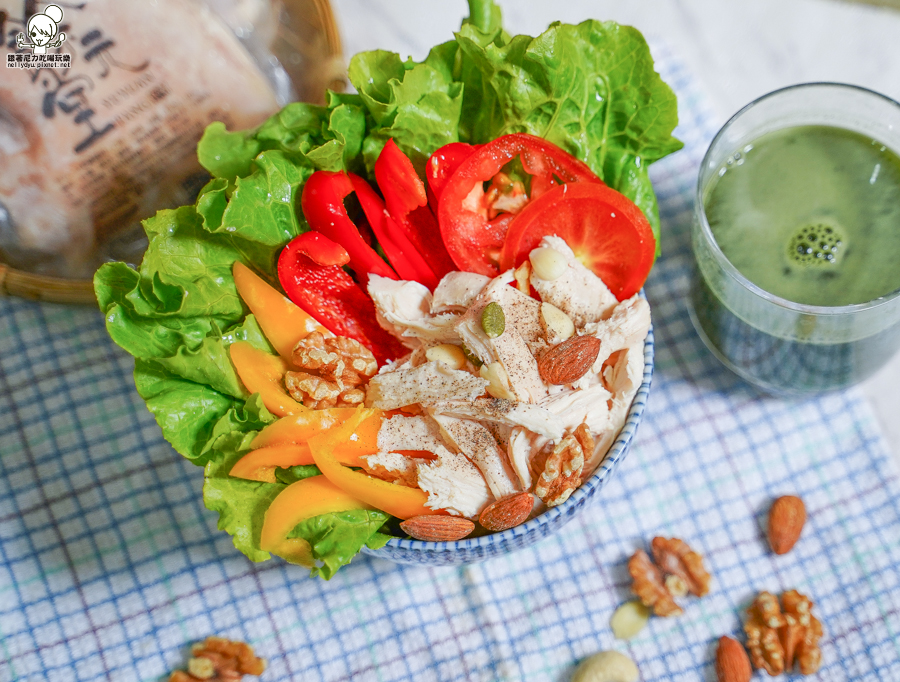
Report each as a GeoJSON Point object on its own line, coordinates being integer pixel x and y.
{"type": "Point", "coordinates": [91, 146]}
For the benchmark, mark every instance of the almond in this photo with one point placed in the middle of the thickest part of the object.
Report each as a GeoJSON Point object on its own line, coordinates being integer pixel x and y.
{"type": "Point", "coordinates": [437, 528]}
{"type": "Point", "coordinates": [732, 662]}
{"type": "Point", "coordinates": [786, 519]}
{"type": "Point", "coordinates": [507, 512]}
{"type": "Point", "coordinates": [570, 360]}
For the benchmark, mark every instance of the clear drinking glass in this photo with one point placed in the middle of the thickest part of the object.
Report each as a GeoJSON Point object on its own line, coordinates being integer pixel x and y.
{"type": "Point", "coordinates": [779, 345]}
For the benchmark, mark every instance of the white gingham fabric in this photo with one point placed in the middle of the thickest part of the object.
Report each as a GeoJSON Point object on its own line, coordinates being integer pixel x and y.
{"type": "Point", "coordinates": [110, 566]}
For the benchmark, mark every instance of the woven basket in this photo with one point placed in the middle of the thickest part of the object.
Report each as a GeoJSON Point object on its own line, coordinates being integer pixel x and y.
{"type": "Point", "coordinates": [310, 33]}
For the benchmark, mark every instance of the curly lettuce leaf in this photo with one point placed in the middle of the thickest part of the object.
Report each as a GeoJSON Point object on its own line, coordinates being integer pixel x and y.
{"type": "Point", "coordinates": [232, 433]}
{"type": "Point", "coordinates": [227, 154]}
{"type": "Point", "coordinates": [416, 105]}
{"type": "Point", "coordinates": [288, 475]}
{"type": "Point", "coordinates": [185, 410]}
{"type": "Point", "coordinates": [337, 537]}
{"type": "Point", "coordinates": [327, 138]}
{"type": "Point", "coordinates": [209, 363]}
{"type": "Point", "coordinates": [591, 89]}
{"type": "Point", "coordinates": [241, 506]}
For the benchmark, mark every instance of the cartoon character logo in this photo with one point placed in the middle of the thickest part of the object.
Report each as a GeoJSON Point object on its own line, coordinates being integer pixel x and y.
{"type": "Point", "coordinates": [43, 29]}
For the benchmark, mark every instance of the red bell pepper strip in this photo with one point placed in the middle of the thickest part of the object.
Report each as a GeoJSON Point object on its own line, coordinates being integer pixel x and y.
{"type": "Point", "coordinates": [441, 165]}
{"type": "Point", "coordinates": [321, 250]}
{"type": "Point", "coordinates": [400, 251]}
{"type": "Point", "coordinates": [331, 296]}
{"type": "Point", "coordinates": [322, 203]}
{"type": "Point", "coordinates": [407, 202]}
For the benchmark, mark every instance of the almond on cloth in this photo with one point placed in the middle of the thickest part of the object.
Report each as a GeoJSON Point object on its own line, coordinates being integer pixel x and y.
{"type": "Point", "coordinates": [570, 360]}
{"type": "Point", "coordinates": [435, 528]}
{"type": "Point", "coordinates": [732, 662]}
{"type": "Point", "coordinates": [507, 512]}
{"type": "Point", "coordinates": [786, 520]}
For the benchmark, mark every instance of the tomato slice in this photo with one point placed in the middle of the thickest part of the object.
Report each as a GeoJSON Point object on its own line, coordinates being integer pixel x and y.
{"type": "Point", "coordinates": [473, 240]}
{"type": "Point", "coordinates": [605, 229]}
{"type": "Point", "coordinates": [441, 166]}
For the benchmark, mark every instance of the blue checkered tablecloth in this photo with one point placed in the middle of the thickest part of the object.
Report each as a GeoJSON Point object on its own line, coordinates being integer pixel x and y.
{"type": "Point", "coordinates": [110, 566]}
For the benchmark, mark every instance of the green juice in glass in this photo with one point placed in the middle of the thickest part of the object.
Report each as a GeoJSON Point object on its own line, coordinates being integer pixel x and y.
{"type": "Point", "coordinates": [809, 214]}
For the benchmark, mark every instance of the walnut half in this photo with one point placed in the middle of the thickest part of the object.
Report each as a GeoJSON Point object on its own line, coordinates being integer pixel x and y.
{"type": "Point", "coordinates": [220, 659]}
{"type": "Point", "coordinates": [675, 558]}
{"type": "Point", "coordinates": [649, 585]}
{"type": "Point", "coordinates": [777, 639]}
{"type": "Point", "coordinates": [677, 571]}
{"type": "Point", "coordinates": [562, 472]}
{"type": "Point", "coordinates": [332, 370]}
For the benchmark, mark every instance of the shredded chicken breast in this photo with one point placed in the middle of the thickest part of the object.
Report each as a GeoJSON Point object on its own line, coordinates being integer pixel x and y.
{"type": "Point", "coordinates": [466, 447]}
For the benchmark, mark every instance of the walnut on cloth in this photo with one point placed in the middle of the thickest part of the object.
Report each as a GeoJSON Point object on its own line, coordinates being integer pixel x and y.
{"type": "Point", "coordinates": [778, 638]}
{"type": "Point", "coordinates": [332, 371]}
{"type": "Point", "coordinates": [217, 658]}
{"type": "Point", "coordinates": [677, 570]}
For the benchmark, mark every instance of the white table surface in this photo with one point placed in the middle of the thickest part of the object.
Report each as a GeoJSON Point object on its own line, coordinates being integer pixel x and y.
{"type": "Point", "coordinates": [739, 50]}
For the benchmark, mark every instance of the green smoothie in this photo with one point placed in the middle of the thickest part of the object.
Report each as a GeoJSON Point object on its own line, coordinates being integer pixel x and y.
{"type": "Point", "coordinates": [811, 214]}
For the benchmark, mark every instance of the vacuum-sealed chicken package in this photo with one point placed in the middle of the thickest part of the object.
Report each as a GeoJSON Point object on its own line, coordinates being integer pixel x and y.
{"type": "Point", "coordinates": [102, 103]}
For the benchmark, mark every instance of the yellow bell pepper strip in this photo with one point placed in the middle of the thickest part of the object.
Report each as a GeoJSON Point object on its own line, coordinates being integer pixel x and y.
{"type": "Point", "coordinates": [260, 465]}
{"type": "Point", "coordinates": [298, 502]}
{"type": "Point", "coordinates": [396, 500]}
{"type": "Point", "coordinates": [284, 443]}
{"type": "Point", "coordinates": [299, 428]}
{"type": "Point", "coordinates": [363, 440]}
{"type": "Point", "coordinates": [283, 322]}
{"type": "Point", "coordinates": [264, 374]}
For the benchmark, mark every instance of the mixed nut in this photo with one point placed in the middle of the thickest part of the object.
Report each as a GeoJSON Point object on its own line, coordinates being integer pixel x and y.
{"type": "Point", "coordinates": [677, 571]}
{"type": "Point", "coordinates": [780, 635]}
{"type": "Point", "coordinates": [786, 520]}
{"type": "Point", "coordinates": [777, 636]}
{"type": "Point", "coordinates": [217, 658]}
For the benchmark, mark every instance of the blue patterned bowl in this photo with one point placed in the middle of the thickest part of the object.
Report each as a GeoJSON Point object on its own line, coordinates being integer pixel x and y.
{"type": "Point", "coordinates": [471, 550]}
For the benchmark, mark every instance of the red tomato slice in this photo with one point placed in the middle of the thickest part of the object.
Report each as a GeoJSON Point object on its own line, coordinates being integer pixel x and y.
{"type": "Point", "coordinates": [441, 166]}
{"type": "Point", "coordinates": [607, 232]}
{"type": "Point", "coordinates": [473, 241]}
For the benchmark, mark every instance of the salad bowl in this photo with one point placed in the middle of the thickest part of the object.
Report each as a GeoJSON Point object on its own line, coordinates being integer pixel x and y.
{"type": "Point", "coordinates": [213, 354]}
{"type": "Point", "coordinates": [473, 550]}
